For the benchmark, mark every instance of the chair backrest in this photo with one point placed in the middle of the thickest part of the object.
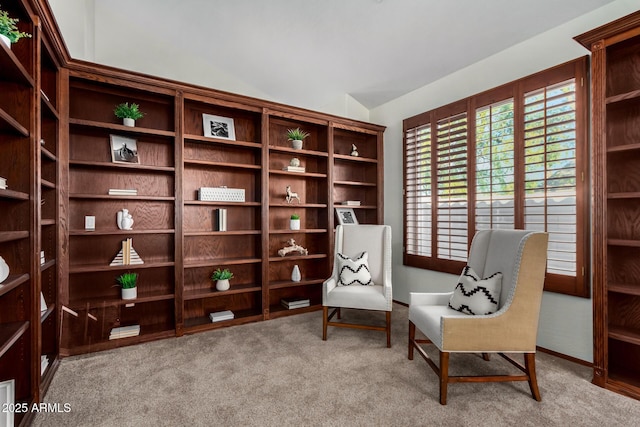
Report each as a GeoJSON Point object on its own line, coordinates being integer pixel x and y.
{"type": "Point", "coordinates": [495, 251]}
{"type": "Point", "coordinates": [351, 240]}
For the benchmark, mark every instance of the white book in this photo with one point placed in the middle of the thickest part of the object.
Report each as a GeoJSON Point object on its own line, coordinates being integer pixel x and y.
{"type": "Point", "coordinates": [351, 203]}
{"type": "Point", "coordinates": [291, 304]}
{"type": "Point", "coordinates": [125, 331]}
{"type": "Point", "coordinates": [122, 192]}
{"type": "Point", "coordinates": [294, 169]}
{"type": "Point", "coordinates": [218, 316]}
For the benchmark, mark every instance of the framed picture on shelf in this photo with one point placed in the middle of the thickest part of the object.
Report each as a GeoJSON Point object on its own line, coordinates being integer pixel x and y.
{"type": "Point", "coordinates": [7, 400]}
{"type": "Point", "coordinates": [218, 127]}
{"type": "Point", "coordinates": [346, 216]}
{"type": "Point", "coordinates": [124, 150]}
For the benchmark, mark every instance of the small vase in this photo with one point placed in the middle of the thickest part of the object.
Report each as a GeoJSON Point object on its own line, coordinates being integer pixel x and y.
{"type": "Point", "coordinates": [223, 285]}
{"type": "Point", "coordinates": [130, 293]}
{"type": "Point", "coordinates": [296, 144]}
{"type": "Point", "coordinates": [4, 270]}
{"type": "Point", "coordinates": [5, 40]}
{"type": "Point", "coordinates": [294, 224]}
{"type": "Point", "coordinates": [295, 274]}
{"type": "Point", "coordinates": [128, 122]}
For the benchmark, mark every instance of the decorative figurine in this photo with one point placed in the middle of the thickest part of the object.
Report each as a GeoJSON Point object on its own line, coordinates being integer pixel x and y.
{"type": "Point", "coordinates": [354, 150]}
{"type": "Point", "coordinates": [295, 162]}
{"type": "Point", "coordinates": [291, 195]}
{"type": "Point", "coordinates": [124, 220]}
{"type": "Point", "coordinates": [293, 247]}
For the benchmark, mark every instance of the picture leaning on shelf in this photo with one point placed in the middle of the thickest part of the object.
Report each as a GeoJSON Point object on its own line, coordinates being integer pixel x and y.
{"type": "Point", "coordinates": [218, 127]}
{"type": "Point", "coordinates": [346, 216]}
{"type": "Point", "coordinates": [124, 150]}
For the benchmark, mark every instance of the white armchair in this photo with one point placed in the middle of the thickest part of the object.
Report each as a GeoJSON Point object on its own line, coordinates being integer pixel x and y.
{"type": "Point", "coordinates": [521, 258]}
{"type": "Point", "coordinates": [351, 241]}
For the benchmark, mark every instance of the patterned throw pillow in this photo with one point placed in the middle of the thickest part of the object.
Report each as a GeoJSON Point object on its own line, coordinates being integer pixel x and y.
{"type": "Point", "coordinates": [473, 295]}
{"type": "Point", "coordinates": [354, 271]}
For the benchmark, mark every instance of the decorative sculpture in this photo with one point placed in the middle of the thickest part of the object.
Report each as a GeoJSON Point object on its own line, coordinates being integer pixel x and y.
{"type": "Point", "coordinates": [293, 247]}
{"type": "Point", "coordinates": [291, 195]}
{"type": "Point", "coordinates": [295, 162]}
{"type": "Point", "coordinates": [354, 150]}
{"type": "Point", "coordinates": [124, 219]}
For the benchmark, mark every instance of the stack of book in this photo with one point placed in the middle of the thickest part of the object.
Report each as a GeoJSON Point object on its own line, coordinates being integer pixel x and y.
{"type": "Point", "coordinates": [294, 303]}
{"type": "Point", "coordinates": [351, 203]}
{"type": "Point", "coordinates": [294, 169]}
{"type": "Point", "coordinates": [122, 192]}
{"type": "Point", "coordinates": [221, 219]}
{"type": "Point", "coordinates": [125, 332]}
{"type": "Point", "coordinates": [219, 316]}
{"type": "Point", "coordinates": [3, 183]}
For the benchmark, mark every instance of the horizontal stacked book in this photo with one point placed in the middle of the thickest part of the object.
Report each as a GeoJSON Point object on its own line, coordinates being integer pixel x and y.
{"type": "Point", "coordinates": [292, 304]}
{"type": "Point", "coordinates": [351, 203]}
{"type": "Point", "coordinates": [122, 192]}
{"type": "Point", "coordinates": [299, 169]}
{"type": "Point", "coordinates": [219, 316]}
{"type": "Point", "coordinates": [124, 332]}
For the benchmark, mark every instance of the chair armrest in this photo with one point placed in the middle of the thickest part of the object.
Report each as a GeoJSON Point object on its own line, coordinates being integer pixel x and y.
{"type": "Point", "coordinates": [423, 298]}
{"type": "Point", "coordinates": [327, 286]}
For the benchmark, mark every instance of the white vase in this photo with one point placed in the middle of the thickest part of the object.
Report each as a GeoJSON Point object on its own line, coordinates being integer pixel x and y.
{"type": "Point", "coordinates": [128, 122]}
{"type": "Point", "coordinates": [295, 274]}
{"type": "Point", "coordinates": [4, 270]}
{"type": "Point", "coordinates": [296, 144]}
{"type": "Point", "coordinates": [223, 285]}
{"type": "Point", "coordinates": [5, 40]}
{"type": "Point", "coordinates": [294, 224]}
{"type": "Point", "coordinates": [130, 293]}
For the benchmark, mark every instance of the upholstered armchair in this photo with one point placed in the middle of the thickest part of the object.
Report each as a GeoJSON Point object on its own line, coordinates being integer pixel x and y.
{"type": "Point", "coordinates": [520, 258]}
{"type": "Point", "coordinates": [361, 277]}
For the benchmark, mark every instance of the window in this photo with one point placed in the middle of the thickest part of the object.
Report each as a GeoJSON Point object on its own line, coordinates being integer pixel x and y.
{"type": "Point", "coordinates": [511, 157]}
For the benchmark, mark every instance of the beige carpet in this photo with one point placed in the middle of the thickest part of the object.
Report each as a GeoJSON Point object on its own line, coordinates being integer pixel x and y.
{"type": "Point", "coordinates": [281, 373]}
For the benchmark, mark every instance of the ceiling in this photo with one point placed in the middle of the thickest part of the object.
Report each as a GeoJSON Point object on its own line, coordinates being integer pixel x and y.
{"type": "Point", "coordinates": [305, 52]}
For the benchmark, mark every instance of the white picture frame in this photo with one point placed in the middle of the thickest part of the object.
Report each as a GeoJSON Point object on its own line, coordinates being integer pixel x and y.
{"type": "Point", "coordinates": [7, 400]}
{"type": "Point", "coordinates": [124, 150]}
{"type": "Point", "coordinates": [346, 216]}
{"type": "Point", "coordinates": [218, 127]}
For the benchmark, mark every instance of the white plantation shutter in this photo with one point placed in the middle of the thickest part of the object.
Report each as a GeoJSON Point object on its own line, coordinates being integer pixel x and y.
{"type": "Point", "coordinates": [418, 190]}
{"type": "Point", "coordinates": [495, 163]}
{"type": "Point", "coordinates": [452, 188]}
{"type": "Point", "coordinates": [550, 171]}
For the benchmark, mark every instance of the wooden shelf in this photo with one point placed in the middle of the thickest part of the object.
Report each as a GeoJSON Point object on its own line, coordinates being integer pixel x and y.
{"type": "Point", "coordinates": [301, 205]}
{"type": "Point", "coordinates": [348, 158]}
{"type": "Point", "coordinates": [631, 336]}
{"type": "Point", "coordinates": [17, 195]}
{"type": "Point", "coordinates": [121, 128]}
{"type": "Point", "coordinates": [301, 174]}
{"type": "Point", "coordinates": [203, 323]}
{"type": "Point", "coordinates": [213, 293]}
{"type": "Point", "coordinates": [220, 262]}
{"type": "Point", "coordinates": [211, 203]}
{"type": "Point", "coordinates": [118, 232]}
{"type": "Point", "coordinates": [132, 166]}
{"type": "Point", "coordinates": [50, 108]}
{"type": "Point", "coordinates": [47, 184]}
{"type": "Point", "coordinates": [303, 152]}
{"type": "Point", "coordinates": [47, 312]}
{"type": "Point", "coordinates": [48, 264]}
{"type": "Point", "coordinates": [625, 195]}
{"type": "Point", "coordinates": [12, 282]}
{"type": "Point", "coordinates": [9, 236]}
{"type": "Point", "coordinates": [276, 311]}
{"type": "Point", "coordinates": [296, 257]}
{"type": "Point", "coordinates": [206, 139]}
{"type": "Point", "coordinates": [95, 268]}
{"type": "Point", "coordinates": [628, 96]}
{"type": "Point", "coordinates": [301, 231]}
{"type": "Point", "coordinates": [47, 222]}
{"type": "Point", "coordinates": [8, 123]}
{"type": "Point", "coordinates": [282, 284]}
{"type": "Point", "coordinates": [355, 184]}
{"type": "Point", "coordinates": [622, 242]}
{"type": "Point", "coordinates": [10, 333]}
{"type": "Point", "coordinates": [108, 197]}
{"type": "Point", "coordinates": [205, 163]}
{"type": "Point", "coordinates": [222, 233]}
{"type": "Point", "coordinates": [12, 68]}
{"type": "Point", "coordinates": [625, 288]}
{"type": "Point", "coordinates": [97, 302]}
{"type": "Point", "coordinates": [147, 333]}
{"type": "Point", "coordinates": [48, 154]}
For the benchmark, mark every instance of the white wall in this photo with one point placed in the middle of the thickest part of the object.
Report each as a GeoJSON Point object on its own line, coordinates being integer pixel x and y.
{"type": "Point", "coordinates": [565, 322]}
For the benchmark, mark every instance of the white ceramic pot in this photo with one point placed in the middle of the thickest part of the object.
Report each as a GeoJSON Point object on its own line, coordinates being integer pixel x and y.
{"type": "Point", "coordinates": [295, 274]}
{"type": "Point", "coordinates": [5, 40]}
{"type": "Point", "coordinates": [128, 122]}
{"type": "Point", "coordinates": [296, 144]}
{"type": "Point", "coordinates": [223, 285]}
{"type": "Point", "coordinates": [294, 224]}
{"type": "Point", "coordinates": [4, 270]}
{"type": "Point", "coordinates": [130, 293]}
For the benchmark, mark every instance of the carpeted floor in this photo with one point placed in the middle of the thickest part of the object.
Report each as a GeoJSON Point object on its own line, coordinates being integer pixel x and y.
{"type": "Point", "coordinates": [281, 373]}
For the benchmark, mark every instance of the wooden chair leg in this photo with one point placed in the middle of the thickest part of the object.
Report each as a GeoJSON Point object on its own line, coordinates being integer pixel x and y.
{"type": "Point", "coordinates": [412, 336]}
{"type": "Point", "coordinates": [486, 356]}
{"type": "Point", "coordinates": [388, 329]}
{"type": "Point", "coordinates": [530, 365]}
{"type": "Point", "coordinates": [444, 376]}
{"type": "Point", "coordinates": [325, 320]}
{"type": "Point", "coordinates": [339, 312]}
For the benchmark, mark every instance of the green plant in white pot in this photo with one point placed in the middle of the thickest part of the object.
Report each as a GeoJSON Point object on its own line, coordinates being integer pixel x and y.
{"type": "Point", "coordinates": [294, 222]}
{"type": "Point", "coordinates": [221, 277]}
{"type": "Point", "coordinates": [296, 136]}
{"type": "Point", "coordinates": [9, 32]}
{"type": "Point", "coordinates": [129, 285]}
{"type": "Point", "coordinates": [128, 113]}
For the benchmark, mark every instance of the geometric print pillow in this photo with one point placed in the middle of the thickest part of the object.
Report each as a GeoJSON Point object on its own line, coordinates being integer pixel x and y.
{"type": "Point", "coordinates": [473, 295]}
{"type": "Point", "coordinates": [354, 271]}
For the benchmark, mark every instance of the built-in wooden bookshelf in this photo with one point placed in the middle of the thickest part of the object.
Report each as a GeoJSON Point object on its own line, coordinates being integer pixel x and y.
{"type": "Point", "coordinates": [615, 87]}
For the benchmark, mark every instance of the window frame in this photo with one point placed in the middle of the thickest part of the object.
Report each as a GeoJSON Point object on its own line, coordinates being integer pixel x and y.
{"type": "Point", "coordinates": [576, 69]}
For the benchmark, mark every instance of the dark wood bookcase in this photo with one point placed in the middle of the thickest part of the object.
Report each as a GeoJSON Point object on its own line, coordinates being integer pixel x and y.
{"type": "Point", "coordinates": [615, 69]}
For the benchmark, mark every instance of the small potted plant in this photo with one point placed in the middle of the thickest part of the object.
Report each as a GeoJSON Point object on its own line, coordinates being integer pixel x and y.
{"type": "Point", "coordinates": [294, 223]}
{"type": "Point", "coordinates": [9, 32]}
{"type": "Point", "coordinates": [128, 283]}
{"type": "Point", "coordinates": [128, 113]}
{"type": "Point", "coordinates": [296, 136]}
{"type": "Point", "coordinates": [222, 279]}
